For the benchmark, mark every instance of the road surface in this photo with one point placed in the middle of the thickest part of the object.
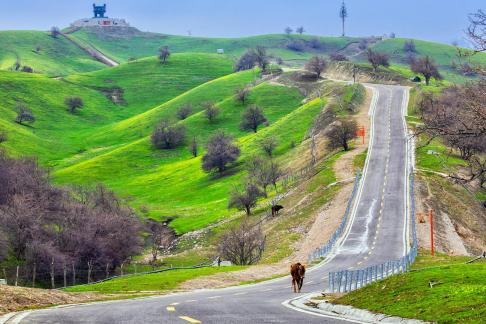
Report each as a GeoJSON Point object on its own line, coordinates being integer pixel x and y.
{"type": "Point", "coordinates": [377, 232]}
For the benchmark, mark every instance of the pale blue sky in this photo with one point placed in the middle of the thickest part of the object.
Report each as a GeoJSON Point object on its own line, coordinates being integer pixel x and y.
{"type": "Point", "coordinates": [439, 20]}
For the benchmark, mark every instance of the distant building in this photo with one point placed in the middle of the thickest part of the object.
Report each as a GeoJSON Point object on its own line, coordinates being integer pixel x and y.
{"type": "Point", "coordinates": [220, 51]}
{"type": "Point", "coordinates": [99, 19]}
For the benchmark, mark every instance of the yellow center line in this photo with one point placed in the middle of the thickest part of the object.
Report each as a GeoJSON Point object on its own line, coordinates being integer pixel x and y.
{"type": "Point", "coordinates": [170, 308]}
{"type": "Point", "coordinates": [189, 319]}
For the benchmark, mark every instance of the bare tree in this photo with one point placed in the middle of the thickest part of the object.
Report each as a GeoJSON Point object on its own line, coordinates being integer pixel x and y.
{"type": "Point", "coordinates": [288, 30]}
{"type": "Point", "coordinates": [184, 111]}
{"type": "Point", "coordinates": [245, 197]}
{"type": "Point", "coordinates": [73, 103]}
{"type": "Point", "coordinates": [409, 46]}
{"type": "Point", "coordinates": [427, 67]}
{"type": "Point", "coordinates": [55, 32]}
{"type": "Point", "coordinates": [242, 94]}
{"type": "Point", "coordinates": [341, 133]}
{"type": "Point", "coordinates": [166, 136]}
{"type": "Point", "coordinates": [376, 59]}
{"type": "Point", "coordinates": [476, 31]}
{"type": "Point", "coordinates": [251, 118]}
{"type": "Point", "coordinates": [268, 145]}
{"type": "Point", "coordinates": [243, 244]}
{"type": "Point", "coordinates": [210, 111]}
{"type": "Point", "coordinates": [317, 65]}
{"type": "Point", "coordinates": [338, 57]}
{"type": "Point", "coordinates": [261, 57]}
{"type": "Point", "coordinates": [164, 54]}
{"type": "Point", "coordinates": [300, 30]}
{"type": "Point", "coordinates": [194, 147]}
{"type": "Point", "coordinates": [247, 61]}
{"type": "Point", "coordinates": [343, 14]}
{"type": "Point", "coordinates": [24, 114]}
{"type": "Point", "coordinates": [160, 237]}
{"type": "Point", "coordinates": [220, 151]}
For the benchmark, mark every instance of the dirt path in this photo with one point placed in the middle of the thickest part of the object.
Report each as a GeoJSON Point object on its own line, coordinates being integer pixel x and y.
{"type": "Point", "coordinates": [326, 221]}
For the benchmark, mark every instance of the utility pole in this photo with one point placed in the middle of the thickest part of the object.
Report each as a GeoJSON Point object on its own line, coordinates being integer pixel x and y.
{"type": "Point", "coordinates": [343, 14]}
{"type": "Point", "coordinates": [431, 220]}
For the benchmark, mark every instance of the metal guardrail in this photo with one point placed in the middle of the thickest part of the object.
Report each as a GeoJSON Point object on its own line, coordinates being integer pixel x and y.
{"type": "Point", "coordinates": [325, 249]}
{"type": "Point", "coordinates": [347, 280]}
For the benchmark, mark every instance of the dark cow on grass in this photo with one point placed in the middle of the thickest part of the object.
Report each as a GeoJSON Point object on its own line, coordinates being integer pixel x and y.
{"type": "Point", "coordinates": [275, 209]}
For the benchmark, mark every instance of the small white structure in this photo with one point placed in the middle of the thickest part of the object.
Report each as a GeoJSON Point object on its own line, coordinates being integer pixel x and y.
{"type": "Point", "coordinates": [3, 282]}
{"type": "Point", "coordinates": [100, 22]}
{"type": "Point", "coordinates": [220, 51]}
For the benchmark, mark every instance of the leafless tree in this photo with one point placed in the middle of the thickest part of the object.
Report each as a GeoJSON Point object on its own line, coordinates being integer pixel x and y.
{"type": "Point", "coordinates": [288, 30]}
{"type": "Point", "coordinates": [243, 244]}
{"type": "Point", "coordinates": [409, 46]}
{"type": "Point", "coordinates": [160, 237]}
{"type": "Point", "coordinates": [164, 54]}
{"type": "Point", "coordinates": [376, 59]}
{"type": "Point", "coordinates": [427, 67]}
{"type": "Point", "coordinates": [261, 57]}
{"type": "Point", "coordinates": [300, 30]}
{"type": "Point", "coordinates": [220, 151]}
{"type": "Point", "coordinates": [268, 145]}
{"type": "Point", "coordinates": [245, 197]}
{"type": "Point", "coordinates": [337, 57]}
{"type": "Point", "coordinates": [257, 168]}
{"type": "Point", "coordinates": [55, 32]}
{"type": "Point", "coordinates": [341, 133]}
{"type": "Point", "coordinates": [251, 118]}
{"type": "Point", "coordinates": [194, 147]}
{"type": "Point", "coordinates": [317, 65]}
{"type": "Point", "coordinates": [247, 61]}
{"type": "Point", "coordinates": [166, 136]}
{"type": "Point", "coordinates": [211, 111]}
{"type": "Point", "coordinates": [24, 114]}
{"type": "Point", "coordinates": [73, 103]}
{"type": "Point", "coordinates": [476, 31]}
{"type": "Point", "coordinates": [184, 111]}
{"type": "Point", "coordinates": [242, 94]}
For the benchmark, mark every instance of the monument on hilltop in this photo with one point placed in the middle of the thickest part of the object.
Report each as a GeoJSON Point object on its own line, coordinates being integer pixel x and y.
{"type": "Point", "coordinates": [99, 19]}
{"type": "Point", "coordinates": [99, 11]}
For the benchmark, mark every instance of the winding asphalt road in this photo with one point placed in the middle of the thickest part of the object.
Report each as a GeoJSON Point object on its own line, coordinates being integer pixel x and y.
{"type": "Point", "coordinates": [377, 232]}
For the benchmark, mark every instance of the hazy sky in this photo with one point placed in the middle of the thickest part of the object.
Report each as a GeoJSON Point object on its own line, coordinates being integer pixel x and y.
{"type": "Point", "coordinates": [439, 20]}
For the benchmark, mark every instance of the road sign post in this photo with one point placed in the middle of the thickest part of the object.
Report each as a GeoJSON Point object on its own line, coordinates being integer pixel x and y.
{"type": "Point", "coordinates": [431, 220]}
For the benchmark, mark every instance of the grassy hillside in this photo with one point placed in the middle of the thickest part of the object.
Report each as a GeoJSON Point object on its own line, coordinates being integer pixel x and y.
{"type": "Point", "coordinates": [52, 56]}
{"type": "Point", "coordinates": [123, 44]}
{"type": "Point", "coordinates": [458, 296]}
{"type": "Point", "coordinates": [58, 134]}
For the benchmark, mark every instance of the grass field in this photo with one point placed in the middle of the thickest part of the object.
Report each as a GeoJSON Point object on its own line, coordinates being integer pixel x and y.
{"type": "Point", "coordinates": [459, 295]}
{"type": "Point", "coordinates": [125, 44]}
{"type": "Point", "coordinates": [55, 56]}
{"type": "Point", "coordinates": [156, 282]}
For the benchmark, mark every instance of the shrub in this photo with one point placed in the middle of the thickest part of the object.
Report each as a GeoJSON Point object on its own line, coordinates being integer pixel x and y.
{"type": "Point", "coordinates": [166, 136]}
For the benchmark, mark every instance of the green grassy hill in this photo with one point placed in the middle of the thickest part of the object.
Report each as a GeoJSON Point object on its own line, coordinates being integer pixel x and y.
{"type": "Point", "coordinates": [123, 44]}
{"type": "Point", "coordinates": [109, 141]}
{"type": "Point", "coordinates": [43, 53]}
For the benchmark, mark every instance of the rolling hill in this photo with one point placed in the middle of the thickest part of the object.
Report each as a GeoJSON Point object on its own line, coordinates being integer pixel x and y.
{"type": "Point", "coordinates": [43, 53]}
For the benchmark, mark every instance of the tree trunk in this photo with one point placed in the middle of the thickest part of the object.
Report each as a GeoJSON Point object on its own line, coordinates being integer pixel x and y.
{"type": "Point", "coordinates": [53, 284]}
{"type": "Point", "coordinates": [5, 276]}
{"type": "Point", "coordinates": [107, 270]}
{"type": "Point", "coordinates": [17, 276]}
{"type": "Point", "coordinates": [34, 270]}
{"type": "Point", "coordinates": [248, 211]}
{"type": "Point", "coordinates": [90, 267]}
{"type": "Point", "coordinates": [64, 274]}
{"type": "Point", "coordinates": [121, 269]}
{"type": "Point", "coordinates": [427, 80]}
{"type": "Point", "coordinates": [74, 275]}
{"type": "Point", "coordinates": [345, 145]}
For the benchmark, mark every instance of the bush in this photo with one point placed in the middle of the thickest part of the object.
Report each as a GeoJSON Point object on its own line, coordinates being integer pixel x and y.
{"type": "Point", "coordinates": [24, 114]}
{"type": "Point", "coordinates": [210, 111]}
{"type": "Point", "coordinates": [166, 136]}
{"type": "Point", "coordinates": [337, 57]}
{"type": "Point", "coordinates": [73, 103]}
{"type": "Point", "coordinates": [27, 69]}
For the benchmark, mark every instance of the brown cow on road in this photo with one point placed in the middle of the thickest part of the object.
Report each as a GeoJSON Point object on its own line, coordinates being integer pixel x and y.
{"type": "Point", "coordinates": [297, 271]}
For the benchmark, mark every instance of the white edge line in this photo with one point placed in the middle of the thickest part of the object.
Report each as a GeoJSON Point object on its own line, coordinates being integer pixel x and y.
{"type": "Point", "coordinates": [320, 313]}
